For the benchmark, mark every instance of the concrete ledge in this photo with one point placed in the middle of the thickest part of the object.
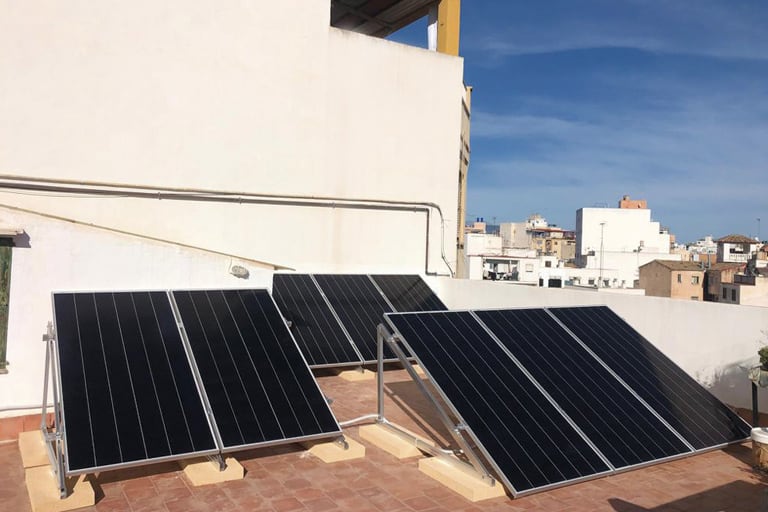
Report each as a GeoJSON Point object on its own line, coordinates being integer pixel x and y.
{"type": "Point", "coordinates": [202, 471]}
{"type": "Point", "coordinates": [333, 452]}
{"type": "Point", "coordinates": [472, 488]}
{"type": "Point", "coordinates": [357, 376]}
{"type": "Point", "coordinates": [43, 490]}
{"type": "Point", "coordinates": [391, 443]}
{"type": "Point", "coordinates": [33, 450]}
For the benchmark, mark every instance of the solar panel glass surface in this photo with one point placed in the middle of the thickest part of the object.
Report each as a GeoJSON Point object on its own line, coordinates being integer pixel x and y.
{"type": "Point", "coordinates": [526, 437]}
{"type": "Point", "coordinates": [128, 391]}
{"type": "Point", "coordinates": [259, 386]}
{"type": "Point", "coordinates": [610, 415]}
{"type": "Point", "coordinates": [320, 336]}
{"type": "Point", "coordinates": [408, 293]}
{"type": "Point", "coordinates": [694, 412]}
{"type": "Point", "coordinates": [360, 307]}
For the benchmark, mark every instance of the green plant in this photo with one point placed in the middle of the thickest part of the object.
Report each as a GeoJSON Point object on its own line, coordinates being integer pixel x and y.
{"type": "Point", "coordinates": [763, 353]}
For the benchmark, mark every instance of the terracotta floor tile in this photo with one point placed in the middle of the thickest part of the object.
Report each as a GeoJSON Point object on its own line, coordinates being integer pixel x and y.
{"type": "Point", "coordinates": [420, 503]}
{"type": "Point", "coordinates": [287, 504]}
{"type": "Point", "coordinates": [286, 478]}
{"type": "Point", "coordinates": [320, 504]}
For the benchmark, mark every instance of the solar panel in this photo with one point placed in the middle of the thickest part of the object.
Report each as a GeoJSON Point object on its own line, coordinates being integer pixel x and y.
{"type": "Point", "coordinates": [321, 338]}
{"type": "Point", "coordinates": [360, 306]}
{"type": "Point", "coordinates": [257, 382]}
{"type": "Point", "coordinates": [696, 414]}
{"type": "Point", "coordinates": [524, 436]}
{"type": "Point", "coordinates": [408, 293]}
{"type": "Point", "coordinates": [624, 430]}
{"type": "Point", "coordinates": [128, 391]}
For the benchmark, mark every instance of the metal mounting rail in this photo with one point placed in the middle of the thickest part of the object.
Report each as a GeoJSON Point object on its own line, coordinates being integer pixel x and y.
{"type": "Point", "coordinates": [54, 439]}
{"type": "Point", "coordinates": [475, 467]}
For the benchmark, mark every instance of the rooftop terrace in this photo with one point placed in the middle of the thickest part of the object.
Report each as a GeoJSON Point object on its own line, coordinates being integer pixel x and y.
{"type": "Point", "coordinates": [288, 478]}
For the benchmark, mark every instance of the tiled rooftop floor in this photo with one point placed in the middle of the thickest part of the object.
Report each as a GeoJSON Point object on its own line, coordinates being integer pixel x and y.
{"type": "Point", "coordinates": [287, 478]}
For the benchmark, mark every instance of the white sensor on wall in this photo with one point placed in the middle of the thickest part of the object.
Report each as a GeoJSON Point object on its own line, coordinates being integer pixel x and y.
{"type": "Point", "coordinates": [239, 271]}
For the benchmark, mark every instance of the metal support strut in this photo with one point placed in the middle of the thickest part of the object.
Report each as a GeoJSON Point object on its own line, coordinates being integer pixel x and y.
{"type": "Point", "coordinates": [218, 460]}
{"type": "Point", "coordinates": [54, 441]}
{"type": "Point", "coordinates": [475, 467]}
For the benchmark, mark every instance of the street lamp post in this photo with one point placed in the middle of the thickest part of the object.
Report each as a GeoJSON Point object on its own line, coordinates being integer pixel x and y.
{"type": "Point", "coordinates": [600, 280]}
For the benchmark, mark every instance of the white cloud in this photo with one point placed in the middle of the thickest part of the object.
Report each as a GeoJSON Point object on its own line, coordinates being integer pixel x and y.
{"type": "Point", "coordinates": [721, 29]}
{"type": "Point", "coordinates": [705, 157]}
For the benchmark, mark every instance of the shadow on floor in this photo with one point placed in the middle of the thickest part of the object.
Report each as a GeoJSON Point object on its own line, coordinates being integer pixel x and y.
{"type": "Point", "coordinates": [735, 496]}
{"type": "Point", "coordinates": [409, 399]}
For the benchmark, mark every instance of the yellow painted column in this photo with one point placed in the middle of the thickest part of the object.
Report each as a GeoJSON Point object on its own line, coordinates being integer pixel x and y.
{"type": "Point", "coordinates": [448, 22]}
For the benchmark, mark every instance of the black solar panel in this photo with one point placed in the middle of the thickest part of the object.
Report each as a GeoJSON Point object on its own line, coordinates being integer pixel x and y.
{"type": "Point", "coordinates": [529, 442]}
{"type": "Point", "coordinates": [258, 384]}
{"type": "Point", "coordinates": [360, 307]}
{"type": "Point", "coordinates": [408, 293]}
{"type": "Point", "coordinates": [620, 426]}
{"type": "Point", "coordinates": [699, 417]}
{"type": "Point", "coordinates": [320, 336]}
{"type": "Point", "coordinates": [128, 391]}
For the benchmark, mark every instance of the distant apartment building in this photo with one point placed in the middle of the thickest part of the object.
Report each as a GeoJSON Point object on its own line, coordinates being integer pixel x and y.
{"type": "Point", "coordinates": [618, 241]}
{"type": "Point", "coordinates": [486, 258]}
{"type": "Point", "coordinates": [747, 290]}
{"type": "Point", "coordinates": [718, 274]}
{"type": "Point", "coordinates": [536, 233]}
{"type": "Point", "coordinates": [632, 204]}
{"type": "Point", "coordinates": [519, 235]}
{"type": "Point", "coordinates": [736, 248]}
{"type": "Point", "coordinates": [704, 245]}
{"type": "Point", "coordinates": [673, 279]}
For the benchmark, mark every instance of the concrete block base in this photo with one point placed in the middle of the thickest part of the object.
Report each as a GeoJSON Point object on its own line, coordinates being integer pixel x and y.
{"type": "Point", "coordinates": [43, 490]}
{"type": "Point", "coordinates": [472, 488]}
{"type": "Point", "coordinates": [389, 442]}
{"type": "Point", "coordinates": [33, 450]}
{"type": "Point", "coordinates": [333, 452]}
{"type": "Point", "coordinates": [202, 471]}
{"type": "Point", "coordinates": [357, 375]}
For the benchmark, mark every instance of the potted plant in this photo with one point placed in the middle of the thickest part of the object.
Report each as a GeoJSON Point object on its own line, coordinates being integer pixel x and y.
{"type": "Point", "coordinates": [763, 353]}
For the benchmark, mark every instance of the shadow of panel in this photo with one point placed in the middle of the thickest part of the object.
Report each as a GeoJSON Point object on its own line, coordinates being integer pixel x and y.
{"type": "Point", "coordinates": [737, 496]}
{"type": "Point", "coordinates": [413, 409]}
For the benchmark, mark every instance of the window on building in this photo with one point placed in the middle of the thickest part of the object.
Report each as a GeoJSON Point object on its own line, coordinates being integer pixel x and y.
{"type": "Point", "coordinates": [548, 264]}
{"type": "Point", "coordinates": [591, 282]}
{"type": "Point", "coordinates": [694, 297]}
{"type": "Point", "coordinates": [679, 278]}
{"type": "Point", "coordinates": [694, 279]}
{"type": "Point", "coordinates": [733, 294]}
{"type": "Point", "coordinates": [725, 293]}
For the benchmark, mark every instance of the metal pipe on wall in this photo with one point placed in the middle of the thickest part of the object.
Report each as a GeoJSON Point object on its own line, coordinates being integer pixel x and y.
{"type": "Point", "coordinates": [109, 189]}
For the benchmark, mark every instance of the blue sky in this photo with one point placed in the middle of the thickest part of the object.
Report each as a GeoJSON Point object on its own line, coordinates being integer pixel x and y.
{"type": "Point", "coordinates": [578, 103]}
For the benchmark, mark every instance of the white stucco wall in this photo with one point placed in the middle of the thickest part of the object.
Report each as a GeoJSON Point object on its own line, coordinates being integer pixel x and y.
{"type": "Point", "coordinates": [715, 343]}
{"type": "Point", "coordinates": [255, 97]}
{"type": "Point", "coordinates": [623, 231]}
{"type": "Point", "coordinates": [62, 256]}
{"type": "Point", "coordinates": [625, 265]}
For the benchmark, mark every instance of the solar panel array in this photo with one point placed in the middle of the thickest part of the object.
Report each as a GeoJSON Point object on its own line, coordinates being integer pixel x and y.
{"type": "Point", "coordinates": [555, 396]}
{"type": "Point", "coordinates": [703, 420]}
{"type": "Point", "coordinates": [334, 316]}
{"type": "Point", "coordinates": [136, 379]}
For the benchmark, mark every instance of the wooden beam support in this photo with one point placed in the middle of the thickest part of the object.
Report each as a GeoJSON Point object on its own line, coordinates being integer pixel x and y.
{"type": "Point", "coordinates": [448, 23]}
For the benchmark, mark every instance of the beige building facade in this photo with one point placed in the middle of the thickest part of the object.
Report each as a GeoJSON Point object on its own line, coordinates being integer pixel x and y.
{"type": "Point", "coordinates": [673, 279]}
